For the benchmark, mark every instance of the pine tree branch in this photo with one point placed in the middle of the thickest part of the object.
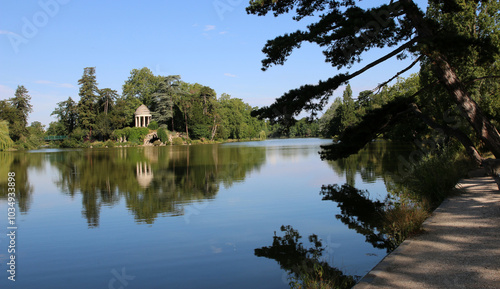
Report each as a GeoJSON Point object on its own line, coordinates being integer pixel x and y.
{"type": "Point", "coordinates": [384, 58]}
{"type": "Point", "coordinates": [397, 75]}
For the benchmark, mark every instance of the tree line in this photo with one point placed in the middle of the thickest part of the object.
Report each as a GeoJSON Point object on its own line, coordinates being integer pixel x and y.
{"type": "Point", "coordinates": [192, 109]}
{"type": "Point", "coordinates": [101, 114]}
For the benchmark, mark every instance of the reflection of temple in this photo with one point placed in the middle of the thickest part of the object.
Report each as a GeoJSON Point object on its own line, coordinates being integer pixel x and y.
{"type": "Point", "coordinates": [144, 174]}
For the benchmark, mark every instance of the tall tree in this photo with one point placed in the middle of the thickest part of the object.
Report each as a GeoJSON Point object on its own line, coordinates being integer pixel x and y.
{"type": "Point", "coordinates": [325, 126]}
{"type": "Point", "coordinates": [185, 103]}
{"type": "Point", "coordinates": [168, 88]}
{"type": "Point", "coordinates": [347, 30]}
{"type": "Point", "coordinates": [22, 108]}
{"type": "Point", "coordinates": [107, 97]}
{"type": "Point", "coordinates": [87, 106]}
{"type": "Point", "coordinates": [348, 110]}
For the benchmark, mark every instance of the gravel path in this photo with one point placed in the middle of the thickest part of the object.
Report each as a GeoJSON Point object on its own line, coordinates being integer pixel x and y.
{"type": "Point", "coordinates": [460, 246]}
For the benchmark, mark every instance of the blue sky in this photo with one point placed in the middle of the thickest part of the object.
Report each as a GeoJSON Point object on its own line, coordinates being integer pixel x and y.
{"type": "Point", "coordinates": [44, 45]}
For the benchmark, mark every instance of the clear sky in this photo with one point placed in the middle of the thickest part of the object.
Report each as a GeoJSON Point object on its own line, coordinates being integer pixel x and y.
{"type": "Point", "coordinates": [44, 45]}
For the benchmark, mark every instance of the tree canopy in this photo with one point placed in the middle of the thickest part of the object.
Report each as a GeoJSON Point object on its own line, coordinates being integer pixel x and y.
{"type": "Point", "coordinates": [449, 41]}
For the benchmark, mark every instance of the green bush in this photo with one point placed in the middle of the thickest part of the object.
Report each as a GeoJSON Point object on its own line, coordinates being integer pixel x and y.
{"type": "Point", "coordinates": [118, 134]}
{"type": "Point", "coordinates": [262, 135]}
{"type": "Point", "coordinates": [69, 143]}
{"type": "Point", "coordinates": [110, 144]}
{"type": "Point", "coordinates": [434, 177]}
{"type": "Point", "coordinates": [157, 143]}
{"type": "Point", "coordinates": [162, 135]}
{"type": "Point", "coordinates": [97, 144]}
{"type": "Point", "coordinates": [132, 134]}
{"type": "Point", "coordinates": [177, 141]}
{"type": "Point", "coordinates": [153, 125]}
{"type": "Point", "coordinates": [79, 134]}
{"type": "Point", "coordinates": [198, 131]}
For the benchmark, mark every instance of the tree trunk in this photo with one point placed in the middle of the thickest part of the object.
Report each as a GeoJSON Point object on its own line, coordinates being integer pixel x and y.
{"type": "Point", "coordinates": [453, 132]}
{"type": "Point", "coordinates": [172, 110]}
{"type": "Point", "coordinates": [214, 130]}
{"type": "Point", "coordinates": [469, 108]}
{"type": "Point", "coordinates": [186, 122]}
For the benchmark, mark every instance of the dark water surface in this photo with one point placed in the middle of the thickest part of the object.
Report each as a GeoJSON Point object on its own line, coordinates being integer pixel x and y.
{"type": "Point", "coordinates": [180, 216]}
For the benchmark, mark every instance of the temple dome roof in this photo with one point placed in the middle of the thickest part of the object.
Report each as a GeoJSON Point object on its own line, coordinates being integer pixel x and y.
{"type": "Point", "coordinates": [142, 110]}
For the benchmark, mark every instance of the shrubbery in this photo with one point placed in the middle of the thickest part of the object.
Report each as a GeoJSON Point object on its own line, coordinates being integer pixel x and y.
{"type": "Point", "coordinates": [432, 179]}
{"type": "Point", "coordinates": [162, 135]}
{"type": "Point", "coordinates": [153, 125]}
{"type": "Point", "coordinates": [131, 134]}
{"type": "Point", "coordinates": [177, 141]}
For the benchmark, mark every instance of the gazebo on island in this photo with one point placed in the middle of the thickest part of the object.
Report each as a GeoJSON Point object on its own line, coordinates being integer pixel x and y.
{"type": "Point", "coordinates": [142, 116]}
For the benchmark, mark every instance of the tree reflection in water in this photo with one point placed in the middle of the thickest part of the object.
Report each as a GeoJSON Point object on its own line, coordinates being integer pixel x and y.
{"type": "Point", "coordinates": [384, 224]}
{"type": "Point", "coordinates": [19, 163]}
{"type": "Point", "coordinates": [153, 180]}
{"type": "Point", "coordinates": [304, 266]}
{"type": "Point", "coordinates": [360, 213]}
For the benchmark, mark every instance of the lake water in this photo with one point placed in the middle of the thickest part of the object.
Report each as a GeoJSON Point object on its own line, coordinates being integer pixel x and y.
{"type": "Point", "coordinates": [180, 216]}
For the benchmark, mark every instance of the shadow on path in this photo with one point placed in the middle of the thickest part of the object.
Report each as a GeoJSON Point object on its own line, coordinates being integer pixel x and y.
{"type": "Point", "coordinates": [460, 246]}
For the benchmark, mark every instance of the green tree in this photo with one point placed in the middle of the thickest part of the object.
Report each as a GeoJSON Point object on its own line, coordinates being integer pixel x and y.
{"type": "Point", "coordinates": [123, 113]}
{"type": "Point", "coordinates": [325, 125]}
{"type": "Point", "coordinates": [5, 140]}
{"type": "Point", "coordinates": [365, 99]}
{"type": "Point", "coordinates": [36, 134]}
{"type": "Point", "coordinates": [346, 31]}
{"type": "Point", "coordinates": [142, 84]}
{"type": "Point", "coordinates": [203, 119]}
{"type": "Point", "coordinates": [56, 128]}
{"type": "Point", "coordinates": [87, 106]}
{"type": "Point", "coordinates": [347, 110]}
{"type": "Point", "coordinates": [184, 102]}
{"type": "Point", "coordinates": [67, 115]}
{"type": "Point", "coordinates": [21, 108]}
{"type": "Point", "coordinates": [168, 88]}
{"type": "Point", "coordinates": [107, 97]}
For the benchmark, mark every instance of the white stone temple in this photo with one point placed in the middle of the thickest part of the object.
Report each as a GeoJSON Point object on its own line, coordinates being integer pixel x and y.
{"type": "Point", "coordinates": [142, 116]}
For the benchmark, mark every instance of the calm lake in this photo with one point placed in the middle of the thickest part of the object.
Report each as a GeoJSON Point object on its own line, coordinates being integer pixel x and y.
{"type": "Point", "coordinates": [182, 216]}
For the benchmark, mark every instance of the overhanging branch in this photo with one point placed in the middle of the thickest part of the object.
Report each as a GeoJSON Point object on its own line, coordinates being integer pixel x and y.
{"type": "Point", "coordinates": [397, 74]}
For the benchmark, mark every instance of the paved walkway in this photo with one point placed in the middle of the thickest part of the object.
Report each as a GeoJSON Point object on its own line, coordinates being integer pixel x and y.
{"type": "Point", "coordinates": [460, 246]}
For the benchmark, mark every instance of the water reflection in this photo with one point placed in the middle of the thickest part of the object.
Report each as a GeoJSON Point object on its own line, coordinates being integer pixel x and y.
{"type": "Point", "coordinates": [153, 181]}
{"type": "Point", "coordinates": [305, 267]}
{"type": "Point", "coordinates": [379, 159]}
{"type": "Point", "coordinates": [359, 213]}
{"type": "Point", "coordinates": [370, 217]}
{"type": "Point", "coordinates": [18, 163]}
